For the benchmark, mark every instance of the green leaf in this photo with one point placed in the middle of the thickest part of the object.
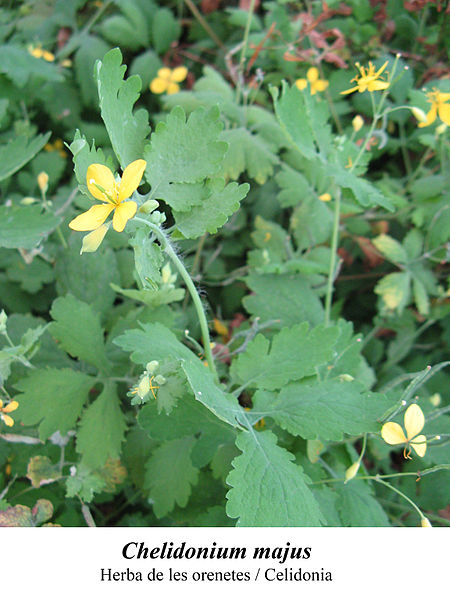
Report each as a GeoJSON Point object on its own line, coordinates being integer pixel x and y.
{"type": "Point", "coordinates": [31, 276]}
{"type": "Point", "coordinates": [148, 258]}
{"type": "Point", "coordinates": [421, 297]}
{"type": "Point", "coordinates": [293, 302]}
{"type": "Point", "coordinates": [294, 353]}
{"type": "Point", "coordinates": [18, 151]}
{"type": "Point", "coordinates": [84, 483]}
{"type": "Point", "coordinates": [224, 406]}
{"type": "Point", "coordinates": [291, 112]}
{"type": "Point", "coordinates": [23, 516]}
{"type": "Point", "coordinates": [324, 410]}
{"type": "Point", "coordinates": [221, 202]}
{"type": "Point", "coordinates": [390, 248]}
{"type": "Point", "coordinates": [77, 329]}
{"type": "Point", "coordinates": [358, 507]}
{"type": "Point", "coordinates": [395, 290]}
{"type": "Point", "coordinates": [268, 489]}
{"type": "Point", "coordinates": [24, 227]}
{"type": "Point", "coordinates": [53, 399]}
{"type": "Point", "coordinates": [248, 152]}
{"type": "Point", "coordinates": [153, 342]}
{"type": "Point", "coordinates": [311, 223]}
{"type": "Point", "coordinates": [184, 151]}
{"type": "Point", "coordinates": [19, 65]}
{"type": "Point", "coordinates": [165, 30]}
{"type": "Point", "coordinates": [102, 429]}
{"type": "Point", "coordinates": [84, 61]}
{"type": "Point", "coordinates": [152, 298]}
{"type": "Point", "coordinates": [88, 276]}
{"type": "Point", "coordinates": [83, 156]}
{"type": "Point", "coordinates": [170, 475]}
{"type": "Point", "coordinates": [365, 193]}
{"type": "Point", "coordinates": [127, 130]}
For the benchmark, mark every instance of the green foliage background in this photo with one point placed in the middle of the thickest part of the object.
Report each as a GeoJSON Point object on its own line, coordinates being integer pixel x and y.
{"type": "Point", "coordinates": [326, 318]}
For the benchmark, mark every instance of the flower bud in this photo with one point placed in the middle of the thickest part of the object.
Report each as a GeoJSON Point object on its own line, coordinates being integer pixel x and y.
{"type": "Point", "coordinates": [42, 180]}
{"type": "Point", "coordinates": [160, 379]}
{"type": "Point", "coordinates": [149, 206]}
{"type": "Point", "coordinates": [419, 114]}
{"type": "Point", "coordinates": [325, 197]}
{"type": "Point", "coordinates": [435, 399]}
{"type": "Point", "coordinates": [346, 377]}
{"type": "Point", "coordinates": [352, 471]}
{"type": "Point", "coordinates": [424, 522]}
{"type": "Point", "coordinates": [441, 128]}
{"type": "Point", "coordinates": [3, 319]}
{"type": "Point", "coordinates": [357, 123]}
{"type": "Point", "coordinates": [28, 200]}
{"type": "Point", "coordinates": [152, 366]}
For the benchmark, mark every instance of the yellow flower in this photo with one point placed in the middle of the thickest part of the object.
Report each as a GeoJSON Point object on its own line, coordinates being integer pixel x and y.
{"type": "Point", "coordinates": [414, 421]}
{"type": "Point", "coordinates": [7, 409]}
{"type": "Point", "coordinates": [167, 80]}
{"type": "Point", "coordinates": [103, 186]}
{"type": "Point", "coordinates": [316, 84]}
{"type": "Point", "coordinates": [357, 123]}
{"type": "Point", "coordinates": [439, 107]}
{"type": "Point", "coordinates": [369, 79]}
{"type": "Point", "coordinates": [38, 52]}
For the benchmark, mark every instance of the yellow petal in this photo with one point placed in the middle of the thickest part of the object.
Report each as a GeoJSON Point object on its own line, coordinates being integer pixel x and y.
{"type": "Point", "coordinates": [301, 84]}
{"type": "Point", "coordinates": [93, 218]}
{"type": "Point", "coordinates": [7, 420]}
{"type": "Point", "coordinates": [92, 240]}
{"type": "Point", "coordinates": [420, 445]}
{"type": "Point", "coordinates": [131, 179]}
{"type": "Point", "coordinates": [159, 85]}
{"type": "Point", "coordinates": [165, 73]}
{"type": "Point", "coordinates": [123, 213]}
{"type": "Point", "coordinates": [320, 85]}
{"type": "Point", "coordinates": [11, 406]}
{"type": "Point", "coordinates": [414, 420]}
{"type": "Point", "coordinates": [1, 404]}
{"type": "Point", "coordinates": [179, 74]}
{"type": "Point", "coordinates": [351, 90]}
{"type": "Point", "coordinates": [374, 86]}
{"type": "Point", "coordinates": [104, 178]}
{"type": "Point", "coordinates": [392, 433]}
{"type": "Point", "coordinates": [381, 69]}
{"type": "Point", "coordinates": [431, 116]}
{"type": "Point", "coordinates": [312, 74]}
{"type": "Point", "coordinates": [444, 113]}
{"type": "Point", "coordinates": [173, 88]}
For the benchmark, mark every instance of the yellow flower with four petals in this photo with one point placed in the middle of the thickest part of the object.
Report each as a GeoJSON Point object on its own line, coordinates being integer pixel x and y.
{"type": "Point", "coordinates": [4, 416]}
{"type": "Point", "coordinates": [113, 195]}
{"type": "Point", "coordinates": [312, 77]}
{"type": "Point", "coordinates": [392, 433]}
{"type": "Point", "coordinates": [167, 80]}
{"type": "Point", "coordinates": [369, 79]}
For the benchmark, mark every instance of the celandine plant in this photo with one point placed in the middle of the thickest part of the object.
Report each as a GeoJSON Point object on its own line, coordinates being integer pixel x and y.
{"type": "Point", "coordinates": [139, 403]}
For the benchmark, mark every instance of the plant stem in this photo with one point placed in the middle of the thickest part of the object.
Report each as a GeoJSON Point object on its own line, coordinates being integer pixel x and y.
{"type": "Point", "coordinates": [168, 249]}
{"type": "Point", "coordinates": [391, 487]}
{"type": "Point", "coordinates": [334, 245]}
{"type": "Point", "coordinates": [244, 49]}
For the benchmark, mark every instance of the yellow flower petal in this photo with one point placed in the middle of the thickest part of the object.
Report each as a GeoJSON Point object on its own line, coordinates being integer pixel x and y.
{"type": "Point", "coordinates": [173, 88]}
{"type": "Point", "coordinates": [9, 422]}
{"type": "Point", "coordinates": [1, 404]}
{"type": "Point", "coordinates": [312, 74]}
{"type": "Point", "coordinates": [374, 86]}
{"type": "Point", "coordinates": [93, 218]}
{"type": "Point", "coordinates": [92, 240]}
{"type": "Point", "coordinates": [381, 69]}
{"type": "Point", "coordinates": [419, 444]}
{"type": "Point", "coordinates": [351, 90]}
{"type": "Point", "coordinates": [301, 84]}
{"type": "Point", "coordinates": [131, 179]}
{"type": "Point", "coordinates": [11, 406]}
{"type": "Point", "coordinates": [414, 420]}
{"type": "Point", "coordinates": [320, 85]}
{"type": "Point", "coordinates": [159, 85]}
{"type": "Point", "coordinates": [392, 433]}
{"type": "Point", "coordinates": [179, 74]}
{"type": "Point", "coordinates": [123, 213]}
{"type": "Point", "coordinates": [444, 112]}
{"type": "Point", "coordinates": [103, 176]}
{"type": "Point", "coordinates": [165, 73]}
